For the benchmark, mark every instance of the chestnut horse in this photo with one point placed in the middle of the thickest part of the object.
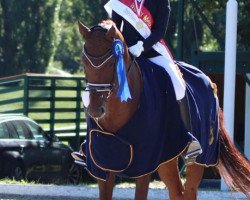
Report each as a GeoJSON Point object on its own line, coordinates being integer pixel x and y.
{"type": "Point", "coordinates": [110, 114]}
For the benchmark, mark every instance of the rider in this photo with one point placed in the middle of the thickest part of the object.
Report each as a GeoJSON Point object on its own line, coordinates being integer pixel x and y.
{"type": "Point", "coordinates": [144, 24]}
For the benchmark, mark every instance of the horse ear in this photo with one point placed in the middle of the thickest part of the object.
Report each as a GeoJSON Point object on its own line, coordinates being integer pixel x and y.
{"type": "Point", "coordinates": [84, 30]}
{"type": "Point", "coordinates": [111, 34]}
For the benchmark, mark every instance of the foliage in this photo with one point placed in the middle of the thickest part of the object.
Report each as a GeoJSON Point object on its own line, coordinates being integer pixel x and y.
{"type": "Point", "coordinates": [36, 33]}
{"type": "Point", "coordinates": [243, 25]}
{"type": "Point", "coordinates": [90, 12]}
{"type": "Point", "coordinates": [204, 26]}
{"type": "Point", "coordinates": [28, 35]}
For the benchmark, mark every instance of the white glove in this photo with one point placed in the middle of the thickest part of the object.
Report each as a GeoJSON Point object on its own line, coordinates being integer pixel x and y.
{"type": "Point", "coordinates": [136, 49]}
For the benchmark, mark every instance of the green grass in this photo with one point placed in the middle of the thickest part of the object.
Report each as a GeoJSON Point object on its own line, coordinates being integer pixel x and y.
{"type": "Point", "coordinates": [90, 182]}
{"type": "Point", "coordinates": [12, 181]}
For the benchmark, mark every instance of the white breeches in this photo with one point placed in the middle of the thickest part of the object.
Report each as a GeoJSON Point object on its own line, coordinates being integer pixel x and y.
{"type": "Point", "coordinates": [174, 73]}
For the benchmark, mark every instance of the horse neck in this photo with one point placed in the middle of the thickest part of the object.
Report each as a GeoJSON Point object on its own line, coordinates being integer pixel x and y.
{"type": "Point", "coordinates": [118, 113]}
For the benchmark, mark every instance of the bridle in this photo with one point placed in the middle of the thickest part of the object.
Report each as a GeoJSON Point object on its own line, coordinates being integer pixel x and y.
{"type": "Point", "coordinates": [113, 57]}
{"type": "Point", "coordinates": [99, 87]}
{"type": "Point", "coordinates": [89, 57]}
{"type": "Point", "coordinates": [103, 87]}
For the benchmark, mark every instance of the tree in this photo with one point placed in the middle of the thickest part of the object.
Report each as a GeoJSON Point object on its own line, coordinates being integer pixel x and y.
{"type": "Point", "coordinates": [91, 12]}
{"type": "Point", "coordinates": [243, 25]}
{"type": "Point", "coordinates": [29, 35]}
{"type": "Point", "coordinates": [204, 26]}
{"type": "Point", "coordinates": [34, 32]}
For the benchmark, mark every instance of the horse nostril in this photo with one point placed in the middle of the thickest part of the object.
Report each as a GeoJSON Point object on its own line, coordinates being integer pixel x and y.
{"type": "Point", "coordinates": [102, 110]}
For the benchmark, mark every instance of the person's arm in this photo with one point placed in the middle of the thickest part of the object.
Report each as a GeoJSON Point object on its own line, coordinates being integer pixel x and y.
{"type": "Point", "coordinates": [161, 23]}
{"type": "Point", "coordinates": [117, 19]}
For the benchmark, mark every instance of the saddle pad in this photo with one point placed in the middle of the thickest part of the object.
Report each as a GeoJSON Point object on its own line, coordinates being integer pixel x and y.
{"type": "Point", "coordinates": [204, 107]}
{"type": "Point", "coordinates": [109, 152]}
{"type": "Point", "coordinates": [156, 131]}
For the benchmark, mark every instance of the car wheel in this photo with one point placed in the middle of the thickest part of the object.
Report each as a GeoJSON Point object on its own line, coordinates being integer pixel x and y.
{"type": "Point", "coordinates": [17, 172]}
{"type": "Point", "coordinates": [74, 174]}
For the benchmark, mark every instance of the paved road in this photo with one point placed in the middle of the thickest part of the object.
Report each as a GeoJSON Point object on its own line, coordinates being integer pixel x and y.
{"type": "Point", "coordinates": [52, 192]}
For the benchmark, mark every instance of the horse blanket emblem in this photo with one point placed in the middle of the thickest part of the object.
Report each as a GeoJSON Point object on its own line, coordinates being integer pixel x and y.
{"type": "Point", "coordinates": [156, 134]}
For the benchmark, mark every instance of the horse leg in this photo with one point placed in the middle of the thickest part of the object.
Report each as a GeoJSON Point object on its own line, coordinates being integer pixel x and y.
{"type": "Point", "coordinates": [194, 175]}
{"type": "Point", "coordinates": [169, 174]}
{"type": "Point", "coordinates": [106, 187]}
{"type": "Point", "coordinates": [142, 184]}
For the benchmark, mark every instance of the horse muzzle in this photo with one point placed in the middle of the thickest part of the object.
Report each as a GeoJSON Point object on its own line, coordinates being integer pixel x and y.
{"type": "Point", "coordinates": [95, 105]}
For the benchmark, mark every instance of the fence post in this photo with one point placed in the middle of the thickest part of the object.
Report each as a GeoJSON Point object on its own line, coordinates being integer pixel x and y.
{"type": "Point", "coordinates": [247, 119]}
{"type": "Point", "coordinates": [26, 95]}
{"type": "Point", "coordinates": [230, 69]}
{"type": "Point", "coordinates": [52, 104]}
{"type": "Point", "coordinates": [78, 113]}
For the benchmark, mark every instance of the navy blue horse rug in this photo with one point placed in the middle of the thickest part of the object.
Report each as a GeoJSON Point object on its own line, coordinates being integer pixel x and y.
{"type": "Point", "coordinates": [156, 134]}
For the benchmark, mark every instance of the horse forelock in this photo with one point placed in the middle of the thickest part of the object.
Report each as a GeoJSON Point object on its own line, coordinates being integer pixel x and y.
{"type": "Point", "coordinates": [107, 24]}
{"type": "Point", "coordinates": [102, 35]}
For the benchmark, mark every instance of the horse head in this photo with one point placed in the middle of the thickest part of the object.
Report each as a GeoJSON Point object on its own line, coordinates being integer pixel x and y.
{"type": "Point", "coordinates": [99, 65]}
{"type": "Point", "coordinates": [100, 61]}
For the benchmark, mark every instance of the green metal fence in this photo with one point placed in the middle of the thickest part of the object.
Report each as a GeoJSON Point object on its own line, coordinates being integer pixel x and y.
{"type": "Point", "coordinates": [213, 62]}
{"type": "Point", "coordinates": [53, 101]}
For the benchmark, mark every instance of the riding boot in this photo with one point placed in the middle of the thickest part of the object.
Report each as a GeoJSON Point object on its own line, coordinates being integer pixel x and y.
{"type": "Point", "coordinates": [194, 149]}
{"type": "Point", "coordinates": [79, 157]}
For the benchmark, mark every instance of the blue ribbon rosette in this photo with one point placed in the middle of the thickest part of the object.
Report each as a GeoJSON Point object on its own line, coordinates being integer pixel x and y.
{"type": "Point", "coordinates": [123, 90]}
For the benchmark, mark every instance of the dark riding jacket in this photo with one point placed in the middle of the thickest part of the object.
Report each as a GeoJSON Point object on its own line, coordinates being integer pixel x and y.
{"type": "Point", "coordinates": [160, 10]}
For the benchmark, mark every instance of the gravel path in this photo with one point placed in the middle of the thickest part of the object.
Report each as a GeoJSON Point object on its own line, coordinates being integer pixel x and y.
{"type": "Point", "coordinates": [53, 192]}
{"type": "Point", "coordinates": [30, 197]}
